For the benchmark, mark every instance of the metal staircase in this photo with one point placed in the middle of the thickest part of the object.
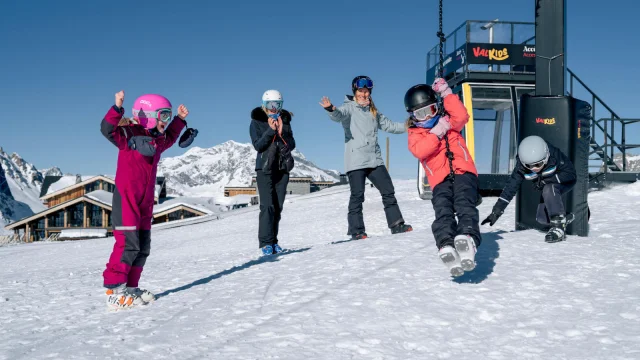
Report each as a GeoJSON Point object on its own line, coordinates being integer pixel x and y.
{"type": "Point", "coordinates": [605, 142]}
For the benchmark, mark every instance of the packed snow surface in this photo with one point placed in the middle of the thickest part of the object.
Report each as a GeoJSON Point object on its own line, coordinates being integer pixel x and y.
{"type": "Point", "coordinates": [386, 297]}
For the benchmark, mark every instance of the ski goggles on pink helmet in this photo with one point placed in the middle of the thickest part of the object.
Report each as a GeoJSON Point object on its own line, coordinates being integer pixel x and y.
{"type": "Point", "coordinates": [152, 117]}
{"type": "Point", "coordinates": [426, 112]}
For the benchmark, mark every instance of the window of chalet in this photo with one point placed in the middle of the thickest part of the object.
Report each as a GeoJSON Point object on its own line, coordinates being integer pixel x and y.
{"type": "Point", "coordinates": [175, 215]}
{"type": "Point", "coordinates": [108, 187]}
{"type": "Point", "coordinates": [92, 187]}
{"type": "Point", "coordinates": [75, 215]}
{"type": "Point", "coordinates": [56, 219]}
{"type": "Point", "coordinates": [94, 213]}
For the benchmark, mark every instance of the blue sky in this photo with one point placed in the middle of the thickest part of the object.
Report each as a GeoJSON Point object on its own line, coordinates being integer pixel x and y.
{"type": "Point", "coordinates": [63, 61]}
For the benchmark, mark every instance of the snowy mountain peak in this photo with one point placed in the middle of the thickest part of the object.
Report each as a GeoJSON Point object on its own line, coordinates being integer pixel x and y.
{"type": "Point", "coordinates": [20, 183]}
{"type": "Point", "coordinates": [206, 171]}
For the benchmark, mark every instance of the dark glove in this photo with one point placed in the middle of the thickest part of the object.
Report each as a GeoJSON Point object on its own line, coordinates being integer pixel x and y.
{"type": "Point", "coordinates": [143, 144]}
{"type": "Point", "coordinates": [540, 184]}
{"type": "Point", "coordinates": [187, 138]}
{"type": "Point", "coordinates": [491, 219]}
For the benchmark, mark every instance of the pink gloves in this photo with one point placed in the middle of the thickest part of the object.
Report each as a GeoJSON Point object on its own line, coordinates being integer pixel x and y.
{"type": "Point", "coordinates": [441, 87]}
{"type": "Point", "coordinates": [442, 126]}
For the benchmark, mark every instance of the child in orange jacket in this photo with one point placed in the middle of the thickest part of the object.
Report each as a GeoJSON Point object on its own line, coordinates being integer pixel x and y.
{"type": "Point", "coordinates": [435, 139]}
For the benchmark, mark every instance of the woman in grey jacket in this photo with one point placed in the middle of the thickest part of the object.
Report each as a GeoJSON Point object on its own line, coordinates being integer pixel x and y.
{"type": "Point", "coordinates": [362, 156]}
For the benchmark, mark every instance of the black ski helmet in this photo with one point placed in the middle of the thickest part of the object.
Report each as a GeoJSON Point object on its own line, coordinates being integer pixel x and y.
{"type": "Point", "coordinates": [419, 96]}
{"type": "Point", "coordinates": [354, 82]}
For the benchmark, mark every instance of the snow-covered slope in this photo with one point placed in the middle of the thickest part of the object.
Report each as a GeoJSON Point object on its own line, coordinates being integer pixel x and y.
{"type": "Point", "coordinates": [205, 172]}
{"type": "Point", "coordinates": [20, 184]}
{"type": "Point", "coordinates": [386, 297]}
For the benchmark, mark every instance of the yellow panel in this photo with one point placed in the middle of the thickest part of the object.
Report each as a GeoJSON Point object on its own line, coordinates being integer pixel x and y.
{"type": "Point", "coordinates": [468, 129]}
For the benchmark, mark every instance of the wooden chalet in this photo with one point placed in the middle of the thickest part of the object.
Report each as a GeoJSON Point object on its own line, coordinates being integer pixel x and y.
{"type": "Point", "coordinates": [80, 206]}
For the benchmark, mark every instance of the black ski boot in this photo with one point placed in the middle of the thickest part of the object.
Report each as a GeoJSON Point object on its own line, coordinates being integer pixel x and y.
{"type": "Point", "coordinates": [558, 227]}
{"type": "Point", "coordinates": [401, 228]}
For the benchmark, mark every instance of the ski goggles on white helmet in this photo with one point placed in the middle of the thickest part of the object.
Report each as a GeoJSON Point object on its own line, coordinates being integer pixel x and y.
{"type": "Point", "coordinates": [163, 115]}
{"type": "Point", "coordinates": [273, 105]}
{"type": "Point", "coordinates": [425, 113]}
{"type": "Point", "coordinates": [538, 165]}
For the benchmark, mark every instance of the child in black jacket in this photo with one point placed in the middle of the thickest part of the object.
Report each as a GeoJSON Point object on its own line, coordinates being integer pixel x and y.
{"type": "Point", "coordinates": [553, 174]}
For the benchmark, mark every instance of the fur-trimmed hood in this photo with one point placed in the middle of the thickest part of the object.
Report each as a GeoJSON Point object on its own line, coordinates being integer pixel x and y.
{"type": "Point", "coordinates": [259, 115]}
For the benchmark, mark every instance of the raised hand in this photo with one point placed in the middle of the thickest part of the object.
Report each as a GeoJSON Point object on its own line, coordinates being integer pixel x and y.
{"type": "Point", "coordinates": [441, 87]}
{"type": "Point", "coordinates": [119, 98]}
{"type": "Point", "coordinates": [183, 112]}
{"type": "Point", "coordinates": [326, 103]}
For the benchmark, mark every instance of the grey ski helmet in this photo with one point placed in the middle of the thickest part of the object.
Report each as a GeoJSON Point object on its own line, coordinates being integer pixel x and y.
{"type": "Point", "coordinates": [533, 152]}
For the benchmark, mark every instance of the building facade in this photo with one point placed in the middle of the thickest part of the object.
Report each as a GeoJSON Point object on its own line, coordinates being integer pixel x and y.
{"type": "Point", "coordinates": [80, 206]}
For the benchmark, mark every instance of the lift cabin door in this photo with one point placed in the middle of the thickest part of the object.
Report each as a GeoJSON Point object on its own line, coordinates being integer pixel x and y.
{"type": "Point", "coordinates": [490, 134]}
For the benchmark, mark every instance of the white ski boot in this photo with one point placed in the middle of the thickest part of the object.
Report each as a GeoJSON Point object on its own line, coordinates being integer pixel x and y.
{"type": "Point", "coordinates": [146, 295]}
{"type": "Point", "coordinates": [119, 299]}
{"type": "Point", "coordinates": [451, 259]}
{"type": "Point", "coordinates": [466, 247]}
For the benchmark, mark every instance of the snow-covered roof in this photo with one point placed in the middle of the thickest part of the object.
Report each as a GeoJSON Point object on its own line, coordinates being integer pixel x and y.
{"type": "Point", "coordinates": [65, 181]}
{"type": "Point", "coordinates": [102, 196]}
{"type": "Point", "coordinates": [204, 205]}
{"type": "Point", "coordinates": [70, 180]}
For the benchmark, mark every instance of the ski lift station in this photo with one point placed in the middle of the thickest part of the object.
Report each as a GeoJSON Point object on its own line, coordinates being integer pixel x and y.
{"type": "Point", "coordinates": [491, 65]}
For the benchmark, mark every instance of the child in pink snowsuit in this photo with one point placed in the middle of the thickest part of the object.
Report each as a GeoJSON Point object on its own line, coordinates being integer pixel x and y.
{"type": "Point", "coordinates": [140, 143]}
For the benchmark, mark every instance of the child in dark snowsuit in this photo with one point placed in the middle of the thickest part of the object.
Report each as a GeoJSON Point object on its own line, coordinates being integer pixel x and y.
{"type": "Point", "coordinates": [141, 142]}
{"type": "Point", "coordinates": [553, 174]}
{"type": "Point", "coordinates": [435, 139]}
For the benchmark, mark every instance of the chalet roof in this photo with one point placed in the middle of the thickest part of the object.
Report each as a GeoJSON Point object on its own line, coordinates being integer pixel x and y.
{"type": "Point", "coordinates": [102, 196]}
{"type": "Point", "coordinates": [68, 181]}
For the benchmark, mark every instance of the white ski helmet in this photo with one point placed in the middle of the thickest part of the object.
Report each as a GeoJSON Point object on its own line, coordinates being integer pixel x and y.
{"type": "Point", "coordinates": [271, 95]}
{"type": "Point", "coordinates": [272, 100]}
{"type": "Point", "coordinates": [533, 152]}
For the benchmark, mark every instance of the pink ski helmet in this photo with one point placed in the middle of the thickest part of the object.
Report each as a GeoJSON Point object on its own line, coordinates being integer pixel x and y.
{"type": "Point", "coordinates": [148, 109]}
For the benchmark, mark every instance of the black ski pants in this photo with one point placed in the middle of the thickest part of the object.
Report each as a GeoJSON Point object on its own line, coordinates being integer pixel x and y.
{"type": "Point", "coordinates": [456, 199]}
{"type": "Point", "coordinates": [380, 178]}
{"type": "Point", "coordinates": [551, 202]}
{"type": "Point", "coordinates": [272, 189]}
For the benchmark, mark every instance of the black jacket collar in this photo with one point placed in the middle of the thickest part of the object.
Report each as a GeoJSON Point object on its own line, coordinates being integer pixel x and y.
{"type": "Point", "coordinates": [259, 115]}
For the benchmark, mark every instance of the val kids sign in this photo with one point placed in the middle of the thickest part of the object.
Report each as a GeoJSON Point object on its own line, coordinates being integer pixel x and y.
{"type": "Point", "coordinates": [513, 54]}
